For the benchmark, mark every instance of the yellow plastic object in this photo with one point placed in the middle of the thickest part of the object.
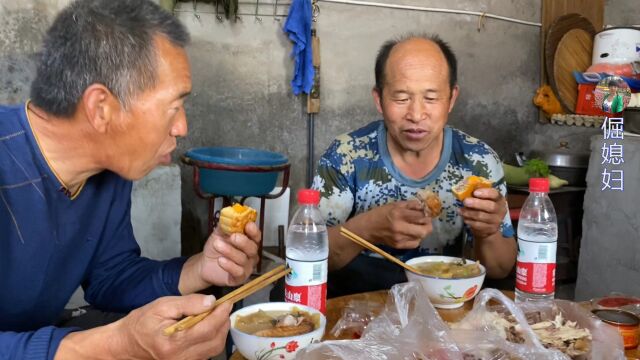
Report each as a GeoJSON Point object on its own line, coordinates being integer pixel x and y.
{"type": "Point", "coordinates": [466, 187]}
{"type": "Point", "coordinates": [234, 218]}
{"type": "Point", "coordinates": [547, 101]}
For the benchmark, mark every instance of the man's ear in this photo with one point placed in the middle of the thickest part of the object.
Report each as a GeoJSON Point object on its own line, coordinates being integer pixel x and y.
{"type": "Point", "coordinates": [99, 106]}
{"type": "Point", "coordinates": [454, 95]}
{"type": "Point", "coordinates": [377, 98]}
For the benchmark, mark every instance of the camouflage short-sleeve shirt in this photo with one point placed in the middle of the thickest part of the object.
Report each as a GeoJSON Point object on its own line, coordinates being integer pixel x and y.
{"type": "Point", "coordinates": [356, 174]}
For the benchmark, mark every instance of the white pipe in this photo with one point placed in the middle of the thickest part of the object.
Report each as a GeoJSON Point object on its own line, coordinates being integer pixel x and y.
{"type": "Point", "coordinates": [419, 8]}
{"type": "Point", "coordinates": [275, 259]}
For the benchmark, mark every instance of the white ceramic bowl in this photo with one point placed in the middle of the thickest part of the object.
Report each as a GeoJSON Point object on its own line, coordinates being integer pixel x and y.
{"type": "Point", "coordinates": [446, 293]}
{"type": "Point", "coordinates": [262, 348]}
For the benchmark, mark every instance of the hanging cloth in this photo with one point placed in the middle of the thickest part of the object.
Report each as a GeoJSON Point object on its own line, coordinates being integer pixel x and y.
{"type": "Point", "coordinates": [298, 28]}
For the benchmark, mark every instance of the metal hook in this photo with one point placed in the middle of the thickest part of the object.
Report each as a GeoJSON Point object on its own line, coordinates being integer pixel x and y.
{"type": "Point", "coordinates": [481, 21]}
{"type": "Point", "coordinates": [275, 11]}
{"type": "Point", "coordinates": [315, 10]}
{"type": "Point", "coordinates": [258, 19]}
{"type": "Point", "coordinates": [195, 10]}
{"type": "Point", "coordinates": [218, 16]}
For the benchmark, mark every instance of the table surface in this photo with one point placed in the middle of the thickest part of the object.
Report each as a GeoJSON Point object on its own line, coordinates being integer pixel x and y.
{"type": "Point", "coordinates": [335, 306]}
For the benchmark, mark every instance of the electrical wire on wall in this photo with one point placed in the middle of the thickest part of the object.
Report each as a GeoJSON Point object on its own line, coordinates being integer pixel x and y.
{"type": "Point", "coordinates": [481, 14]}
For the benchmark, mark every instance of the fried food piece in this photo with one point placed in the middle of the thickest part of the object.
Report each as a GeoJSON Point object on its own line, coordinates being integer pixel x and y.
{"type": "Point", "coordinates": [283, 331]}
{"type": "Point", "coordinates": [234, 218]}
{"type": "Point", "coordinates": [431, 202]}
{"type": "Point", "coordinates": [466, 187]}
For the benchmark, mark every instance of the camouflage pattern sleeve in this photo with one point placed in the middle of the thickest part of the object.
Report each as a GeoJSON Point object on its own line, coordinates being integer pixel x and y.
{"type": "Point", "coordinates": [494, 164]}
{"type": "Point", "coordinates": [336, 188]}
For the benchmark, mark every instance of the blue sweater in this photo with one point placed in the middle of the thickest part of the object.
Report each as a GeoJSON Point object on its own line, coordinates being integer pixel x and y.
{"type": "Point", "coordinates": [51, 244]}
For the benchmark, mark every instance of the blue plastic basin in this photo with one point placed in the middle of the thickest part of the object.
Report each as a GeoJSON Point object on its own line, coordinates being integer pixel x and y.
{"type": "Point", "coordinates": [245, 182]}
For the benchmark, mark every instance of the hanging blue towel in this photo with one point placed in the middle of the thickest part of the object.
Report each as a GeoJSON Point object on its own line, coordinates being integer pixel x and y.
{"type": "Point", "coordinates": [298, 28]}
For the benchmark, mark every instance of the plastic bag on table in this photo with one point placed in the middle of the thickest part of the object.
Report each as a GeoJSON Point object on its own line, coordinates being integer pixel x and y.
{"type": "Point", "coordinates": [410, 328]}
{"type": "Point", "coordinates": [605, 342]}
{"type": "Point", "coordinates": [481, 345]}
{"type": "Point", "coordinates": [355, 318]}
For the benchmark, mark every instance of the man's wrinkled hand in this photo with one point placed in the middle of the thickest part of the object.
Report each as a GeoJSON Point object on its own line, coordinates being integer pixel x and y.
{"type": "Point", "coordinates": [228, 260]}
{"type": "Point", "coordinates": [403, 224]}
{"type": "Point", "coordinates": [484, 212]}
{"type": "Point", "coordinates": [139, 335]}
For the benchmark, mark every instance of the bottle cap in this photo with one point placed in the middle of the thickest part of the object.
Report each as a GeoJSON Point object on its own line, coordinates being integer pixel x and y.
{"type": "Point", "coordinates": [539, 185]}
{"type": "Point", "coordinates": [308, 197]}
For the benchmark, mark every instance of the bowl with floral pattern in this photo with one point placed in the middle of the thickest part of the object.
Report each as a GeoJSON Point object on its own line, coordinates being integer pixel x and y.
{"type": "Point", "coordinates": [448, 286]}
{"type": "Point", "coordinates": [256, 340]}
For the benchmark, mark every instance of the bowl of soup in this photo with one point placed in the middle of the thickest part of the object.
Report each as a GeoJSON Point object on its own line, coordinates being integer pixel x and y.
{"type": "Point", "coordinates": [447, 281]}
{"type": "Point", "coordinates": [275, 330]}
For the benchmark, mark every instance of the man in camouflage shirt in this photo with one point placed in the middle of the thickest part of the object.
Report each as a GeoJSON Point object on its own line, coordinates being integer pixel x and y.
{"type": "Point", "coordinates": [369, 177]}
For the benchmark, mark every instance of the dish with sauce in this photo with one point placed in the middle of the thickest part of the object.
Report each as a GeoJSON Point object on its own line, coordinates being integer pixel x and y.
{"type": "Point", "coordinates": [277, 323]}
{"type": "Point", "coordinates": [448, 270]}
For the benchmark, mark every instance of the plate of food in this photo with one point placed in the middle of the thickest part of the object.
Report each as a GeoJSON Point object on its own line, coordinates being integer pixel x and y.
{"type": "Point", "coordinates": [447, 280]}
{"type": "Point", "coordinates": [275, 330]}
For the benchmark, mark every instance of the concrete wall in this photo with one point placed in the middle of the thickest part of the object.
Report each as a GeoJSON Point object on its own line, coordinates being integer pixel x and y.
{"type": "Point", "coordinates": [621, 13]}
{"type": "Point", "coordinates": [610, 247]}
{"type": "Point", "coordinates": [156, 212]}
{"type": "Point", "coordinates": [21, 30]}
{"type": "Point", "coordinates": [242, 94]}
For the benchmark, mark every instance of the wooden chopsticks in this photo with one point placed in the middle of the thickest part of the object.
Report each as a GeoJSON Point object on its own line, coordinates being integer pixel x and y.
{"type": "Point", "coordinates": [367, 245]}
{"type": "Point", "coordinates": [234, 296]}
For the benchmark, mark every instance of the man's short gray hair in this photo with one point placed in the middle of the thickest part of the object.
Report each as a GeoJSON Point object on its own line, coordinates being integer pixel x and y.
{"type": "Point", "coordinates": [110, 42]}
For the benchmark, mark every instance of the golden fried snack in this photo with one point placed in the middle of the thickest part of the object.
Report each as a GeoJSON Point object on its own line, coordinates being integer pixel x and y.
{"type": "Point", "coordinates": [234, 218]}
{"type": "Point", "coordinates": [431, 202]}
{"type": "Point", "coordinates": [283, 331]}
{"type": "Point", "coordinates": [466, 187]}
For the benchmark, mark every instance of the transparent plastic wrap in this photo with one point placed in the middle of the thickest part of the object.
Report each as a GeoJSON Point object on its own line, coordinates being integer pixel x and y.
{"type": "Point", "coordinates": [604, 342]}
{"type": "Point", "coordinates": [410, 328]}
{"type": "Point", "coordinates": [355, 318]}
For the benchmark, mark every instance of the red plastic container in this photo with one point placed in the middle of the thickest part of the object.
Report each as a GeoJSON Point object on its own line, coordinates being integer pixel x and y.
{"type": "Point", "coordinates": [586, 104]}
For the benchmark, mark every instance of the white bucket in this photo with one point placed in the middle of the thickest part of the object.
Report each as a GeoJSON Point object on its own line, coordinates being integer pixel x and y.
{"type": "Point", "coordinates": [616, 45]}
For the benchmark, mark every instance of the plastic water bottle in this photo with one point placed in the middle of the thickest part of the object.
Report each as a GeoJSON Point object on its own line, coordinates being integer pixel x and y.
{"type": "Point", "coordinates": [537, 244]}
{"type": "Point", "coordinates": [307, 251]}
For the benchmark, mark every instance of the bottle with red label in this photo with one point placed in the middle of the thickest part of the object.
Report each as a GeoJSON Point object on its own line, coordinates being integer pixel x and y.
{"type": "Point", "coordinates": [537, 244]}
{"type": "Point", "coordinates": [307, 252]}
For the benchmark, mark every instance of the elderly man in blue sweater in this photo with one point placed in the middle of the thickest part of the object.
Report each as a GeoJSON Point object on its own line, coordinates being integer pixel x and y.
{"type": "Point", "coordinates": [106, 107]}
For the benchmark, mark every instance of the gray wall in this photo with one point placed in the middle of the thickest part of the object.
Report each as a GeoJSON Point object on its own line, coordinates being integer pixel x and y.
{"type": "Point", "coordinates": [243, 96]}
{"type": "Point", "coordinates": [621, 13]}
{"type": "Point", "coordinates": [156, 212]}
{"type": "Point", "coordinates": [610, 247]}
{"type": "Point", "coordinates": [241, 73]}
